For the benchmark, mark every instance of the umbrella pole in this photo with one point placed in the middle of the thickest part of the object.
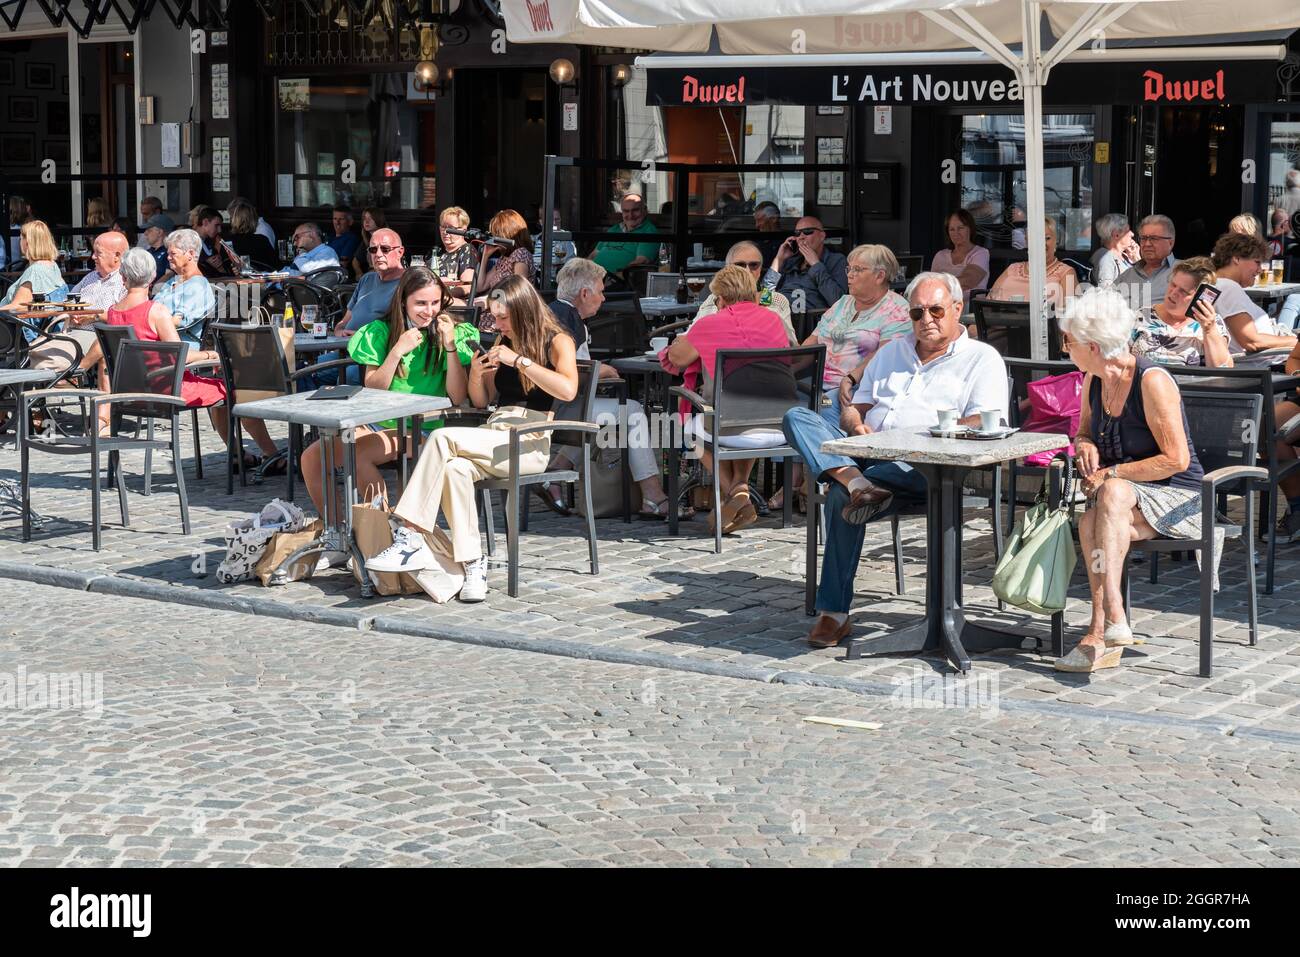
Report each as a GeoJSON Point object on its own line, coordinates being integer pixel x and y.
{"type": "Point", "coordinates": [1036, 212]}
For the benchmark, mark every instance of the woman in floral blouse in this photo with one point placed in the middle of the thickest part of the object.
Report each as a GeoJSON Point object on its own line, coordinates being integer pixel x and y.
{"type": "Point", "coordinates": [1165, 333]}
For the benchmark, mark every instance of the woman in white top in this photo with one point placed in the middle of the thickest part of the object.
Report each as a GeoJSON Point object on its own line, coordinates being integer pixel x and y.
{"type": "Point", "coordinates": [1236, 259]}
{"type": "Point", "coordinates": [962, 258]}
{"type": "Point", "coordinates": [1118, 249]}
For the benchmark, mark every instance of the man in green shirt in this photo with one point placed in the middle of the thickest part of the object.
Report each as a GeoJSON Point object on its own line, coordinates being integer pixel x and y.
{"type": "Point", "coordinates": [617, 256]}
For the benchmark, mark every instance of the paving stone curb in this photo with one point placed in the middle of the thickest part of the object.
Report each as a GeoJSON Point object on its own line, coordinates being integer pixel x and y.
{"type": "Point", "coordinates": [120, 586]}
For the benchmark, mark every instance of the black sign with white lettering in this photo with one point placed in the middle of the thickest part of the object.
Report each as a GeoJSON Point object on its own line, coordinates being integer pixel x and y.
{"type": "Point", "coordinates": [1249, 81]}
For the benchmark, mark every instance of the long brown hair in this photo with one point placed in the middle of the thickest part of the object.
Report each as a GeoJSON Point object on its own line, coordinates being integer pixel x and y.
{"type": "Point", "coordinates": [412, 281]}
{"type": "Point", "coordinates": [532, 327]}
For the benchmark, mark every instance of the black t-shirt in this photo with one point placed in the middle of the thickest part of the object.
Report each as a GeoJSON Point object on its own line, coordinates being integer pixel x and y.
{"type": "Point", "coordinates": [511, 392]}
{"type": "Point", "coordinates": [567, 316]}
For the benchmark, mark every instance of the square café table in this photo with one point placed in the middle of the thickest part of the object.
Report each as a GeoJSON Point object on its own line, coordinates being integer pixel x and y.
{"type": "Point", "coordinates": [335, 417]}
{"type": "Point", "coordinates": [943, 462]}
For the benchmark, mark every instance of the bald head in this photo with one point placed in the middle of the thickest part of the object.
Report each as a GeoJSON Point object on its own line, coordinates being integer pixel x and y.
{"type": "Point", "coordinates": [386, 252]}
{"type": "Point", "coordinates": [109, 248]}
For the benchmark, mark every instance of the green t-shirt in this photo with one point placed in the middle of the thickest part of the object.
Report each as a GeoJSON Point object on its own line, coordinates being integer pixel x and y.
{"type": "Point", "coordinates": [617, 256]}
{"type": "Point", "coordinates": [415, 375]}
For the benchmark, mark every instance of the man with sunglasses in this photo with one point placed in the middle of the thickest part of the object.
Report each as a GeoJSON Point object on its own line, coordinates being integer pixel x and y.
{"type": "Point", "coordinates": [1147, 280]}
{"type": "Point", "coordinates": [904, 386]}
{"type": "Point", "coordinates": [374, 293]}
{"type": "Point", "coordinates": [746, 255]}
{"type": "Point", "coordinates": [805, 271]}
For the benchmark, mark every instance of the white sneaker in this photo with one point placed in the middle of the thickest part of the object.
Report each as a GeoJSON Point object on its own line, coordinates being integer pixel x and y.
{"type": "Point", "coordinates": [335, 555]}
{"type": "Point", "coordinates": [408, 553]}
{"type": "Point", "coordinates": [475, 587]}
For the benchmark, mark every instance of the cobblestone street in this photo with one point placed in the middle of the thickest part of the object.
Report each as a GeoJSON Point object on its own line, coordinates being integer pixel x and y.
{"type": "Point", "coordinates": [230, 739]}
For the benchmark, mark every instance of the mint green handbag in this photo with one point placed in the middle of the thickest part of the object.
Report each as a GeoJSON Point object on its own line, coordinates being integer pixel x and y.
{"type": "Point", "coordinates": [1034, 571]}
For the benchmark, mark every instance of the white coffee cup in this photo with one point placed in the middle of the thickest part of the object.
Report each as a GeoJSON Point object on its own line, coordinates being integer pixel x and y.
{"type": "Point", "coordinates": [947, 420]}
{"type": "Point", "coordinates": [990, 421]}
{"type": "Point", "coordinates": [659, 343]}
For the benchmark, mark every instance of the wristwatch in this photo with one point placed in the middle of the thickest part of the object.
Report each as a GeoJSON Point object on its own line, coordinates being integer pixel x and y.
{"type": "Point", "coordinates": [1112, 472]}
{"type": "Point", "coordinates": [523, 362]}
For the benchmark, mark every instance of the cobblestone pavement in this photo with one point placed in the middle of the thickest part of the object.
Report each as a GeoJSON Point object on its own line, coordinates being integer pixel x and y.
{"type": "Point", "coordinates": [222, 738]}
{"type": "Point", "coordinates": [674, 596]}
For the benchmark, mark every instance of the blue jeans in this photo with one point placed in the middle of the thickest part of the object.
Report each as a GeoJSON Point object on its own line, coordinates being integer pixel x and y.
{"type": "Point", "coordinates": [831, 413]}
{"type": "Point", "coordinates": [806, 431]}
{"type": "Point", "coordinates": [1290, 311]}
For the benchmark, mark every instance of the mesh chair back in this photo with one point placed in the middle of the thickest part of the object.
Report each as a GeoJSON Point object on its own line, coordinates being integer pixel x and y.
{"type": "Point", "coordinates": [149, 367]}
{"type": "Point", "coordinates": [911, 266]}
{"type": "Point", "coordinates": [1223, 427]}
{"type": "Point", "coordinates": [665, 283]}
{"type": "Point", "coordinates": [13, 345]}
{"type": "Point", "coordinates": [308, 293]}
{"type": "Point", "coordinates": [755, 388]}
{"type": "Point", "coordinates": [582, 408]}
{"type": "Point", "coordinates": [331, 277]}
{"type": "Point", "coordinates": [619, 328]}
{"type": "Point", "coordinates": [1008, 323]}
{"type": "Point", "coordinates": [111, 337]}
{"type": "Point", "coordinates": [252, 359]}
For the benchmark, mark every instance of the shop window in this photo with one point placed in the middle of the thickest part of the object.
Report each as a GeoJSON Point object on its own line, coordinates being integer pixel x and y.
{"type": "Point", "coordinates": [371, 121]}
{"type": "Point", "coordinates": [1283, 177]}
{"type": "Point", "coordinates": [993, 184]}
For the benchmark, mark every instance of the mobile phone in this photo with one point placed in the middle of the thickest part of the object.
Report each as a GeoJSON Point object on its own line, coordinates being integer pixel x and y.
{"type": "Point", "coordinates": [1204, 291]}
{"type": "Point", "coordinates": [477, 346]}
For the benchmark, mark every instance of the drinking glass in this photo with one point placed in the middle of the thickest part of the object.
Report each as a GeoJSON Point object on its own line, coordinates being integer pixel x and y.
{"type": "Point", "coordinates": [248, 264]}
{"type": "Point", "coordinates": [309, 314]}
{"type": "Point", "coordinates": [1278, 268]}
{"type": "Point", "coordinates": [1265, 275]}
{"type": "Point", "coordinates": [417, 261]}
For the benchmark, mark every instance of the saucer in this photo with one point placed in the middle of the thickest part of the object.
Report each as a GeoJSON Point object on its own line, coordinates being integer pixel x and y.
{"type": "Point", "coordinates": [998, 433]}
{"type": "Point", "coordinates": [953, 433]}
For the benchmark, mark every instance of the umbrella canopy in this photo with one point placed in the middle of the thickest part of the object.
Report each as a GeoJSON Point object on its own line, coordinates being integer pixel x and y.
{"type": "Point", "coordinates": [1011, 32]}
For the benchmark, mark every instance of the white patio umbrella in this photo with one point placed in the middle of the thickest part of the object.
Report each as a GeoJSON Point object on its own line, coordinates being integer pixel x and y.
{"type": "Point", "coordinates": [880, 32]}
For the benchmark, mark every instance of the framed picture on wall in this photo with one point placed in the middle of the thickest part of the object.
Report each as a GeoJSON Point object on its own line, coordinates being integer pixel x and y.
{"type": "Point", "coordinates": [17, 149]}
{"type": "Point", "coordinates": [40, 76]}
{"type": "Point", "coordinates": [22, 109]}
{"type": "Point", "coordinates": [6, 71]}
{"type": "Point", "coordinates": [56, 118]}
{"type": "Point", "coordinates": [58, 150]}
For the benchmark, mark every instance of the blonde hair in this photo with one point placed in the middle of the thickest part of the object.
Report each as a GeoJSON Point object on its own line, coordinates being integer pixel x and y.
{"type": "Point", "coordinates": [458, 218]}
{"type": "Point", "coordinates": [40, 241]}
{"type": "Point", "coordinates": [98, 212]}
{"type": "Point", "coordinates": [1246, 224]}
{"type": "Point", "coordinates": [243, 218]}
{"type": "Point", "coordinates": [1200, 268]}
{"type": "Point", "coordinates": [733, 284]}
{"type": "Point", "coordinates": [876, 258]}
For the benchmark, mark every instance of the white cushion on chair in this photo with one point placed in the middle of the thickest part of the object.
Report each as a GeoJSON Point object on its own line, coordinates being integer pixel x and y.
{"type": "Point", "coordinates": [751, 439]}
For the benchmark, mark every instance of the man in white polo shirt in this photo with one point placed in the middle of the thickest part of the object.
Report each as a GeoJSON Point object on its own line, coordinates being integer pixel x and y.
{"type": "Point", "coordinates": [903, 386]}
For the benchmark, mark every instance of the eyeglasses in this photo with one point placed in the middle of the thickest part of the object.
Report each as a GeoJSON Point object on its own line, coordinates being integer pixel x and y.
{"type": "Point", "coordinates": [748, 265]}
{"type": "Point", "coordinates": [807, 231]}
{"type": "Point", "coordinates": [937, 310]}
{"type": "Point", "coordinates": [1155, 239]}
{"type": "Point", "coordinates": [381, 249]}
{"type": "Point", "coordinates": [854, 270]}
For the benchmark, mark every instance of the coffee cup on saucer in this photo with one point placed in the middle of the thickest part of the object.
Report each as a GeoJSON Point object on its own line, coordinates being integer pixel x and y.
{"type": "Point", "coordinates": [658, 344]}
{"type": "Point", "coordinates": [947, 420]}
{"type": "Point", "coordinates": [991, 421]}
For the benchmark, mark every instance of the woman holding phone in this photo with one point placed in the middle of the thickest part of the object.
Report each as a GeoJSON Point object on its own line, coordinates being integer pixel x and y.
{"type": "Point", "coordinates": [532, 366]}
{"type": "Point", "coordinates": [416, 348]}
{"type": "Point", "coordinates": [1180, 331]}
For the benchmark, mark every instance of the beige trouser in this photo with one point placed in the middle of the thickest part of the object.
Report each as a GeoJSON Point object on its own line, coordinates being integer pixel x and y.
{"type": "Point", "coordinates": [57, 354]}
{"type": "Point", "coordinates": [453, 459]}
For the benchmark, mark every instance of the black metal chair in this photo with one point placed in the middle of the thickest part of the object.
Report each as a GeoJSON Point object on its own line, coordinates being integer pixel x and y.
{"type": "Point", "coordinates": [574, 424]}
{"type": "Point", "coordinates": [1021, 373]}
{"type": "Point", "coordinates": [1008, 322]}
{"type": "Point", "coordinates": [619, 329]}
{"type": "Point", "coordinates": [254, 365]}
{"type": "Point", "coordinates": [308, 292]}
{"type": "Point", "coordinates": [146, 385]}
{"type": "Point", "coordinates": [1224, 429]}
{"type": "Point", "coordinates": [748, 389]}
{"type": "Point", "coordinates": [15, 352]}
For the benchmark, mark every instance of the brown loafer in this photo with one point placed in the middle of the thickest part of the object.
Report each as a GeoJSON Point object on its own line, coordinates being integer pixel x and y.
{"type": "Point", "coordinates": [828, 632]}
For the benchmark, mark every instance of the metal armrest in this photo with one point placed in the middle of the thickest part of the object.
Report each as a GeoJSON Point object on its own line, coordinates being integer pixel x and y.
{"type": "Point", "coordinates": [567, 424]}
{"type": "Point", "coordinates": [330, 364]}
{"type": "Point", "coordinates": [18, 320]}
{"type": "Point", "coordinates": [694, 398]}
{"type": "Point", "coordinates": [1232, 473]}
{"type": "Point", "coordinates": [105, 397]}
{"type": "Point", "coordinates": [31, 394]}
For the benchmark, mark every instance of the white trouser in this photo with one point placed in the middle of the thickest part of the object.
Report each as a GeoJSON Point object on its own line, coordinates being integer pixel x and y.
{"type": "Point", "coordinates": [641, 459]}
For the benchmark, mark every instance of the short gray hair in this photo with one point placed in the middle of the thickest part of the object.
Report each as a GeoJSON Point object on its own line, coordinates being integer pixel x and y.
{"type": "Point", "coordinates": [576, 275]}
{"type": "Point", "coordinates": [187, 240]}
{"type": "Point", "coordinates": [744, 243]}
{"type": "Point", "coordinates": [1100, 317]}
{"type": "Point", "coordinates": [1155, 219]}
{"type": "Point", "coordinates": [138, 268]}
{"type": "Point", "coordinates": [314, 230]}
{"type": "Point", "coordinates": [946, 279]}
{"type": "Point", "coordinates": [876, 258]}
{"type": "Point", "coordinates": [1112, 226]}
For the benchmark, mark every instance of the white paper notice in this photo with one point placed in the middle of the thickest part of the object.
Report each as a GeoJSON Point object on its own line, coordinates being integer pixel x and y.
{"type": "Point", "coordinates": [171, 145]}
{"type": "Point", "coordinates": [284, 189]}
{"type": "Point", "coordinates": [884, 116]}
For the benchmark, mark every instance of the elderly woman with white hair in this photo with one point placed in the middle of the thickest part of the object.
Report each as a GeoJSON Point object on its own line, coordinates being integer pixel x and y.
{"type": "Point", "coordinates": [1118, 249]}
{"type": "Point", "coordinates": [186, 294]}
{"type": "Point", "coordinates": [1135, 460]}
{"type": "Point", "coordinates": [580, 290]}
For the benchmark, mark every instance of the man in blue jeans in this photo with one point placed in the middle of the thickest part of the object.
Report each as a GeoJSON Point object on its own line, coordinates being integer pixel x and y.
{"type": "Point", "coordinates": [904, 386]}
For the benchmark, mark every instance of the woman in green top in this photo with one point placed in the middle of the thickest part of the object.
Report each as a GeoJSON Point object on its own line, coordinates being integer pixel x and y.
{"type": "Point", "coordinates": [415, 349]}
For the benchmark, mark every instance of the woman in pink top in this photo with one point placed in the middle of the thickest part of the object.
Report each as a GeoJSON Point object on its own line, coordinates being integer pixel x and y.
{"type": "Point", "coordinates": [153, 323]}
{"type": "Point", "coordinates": [739, 323]}
{"type": "Point", "coordinates": [961, 257]}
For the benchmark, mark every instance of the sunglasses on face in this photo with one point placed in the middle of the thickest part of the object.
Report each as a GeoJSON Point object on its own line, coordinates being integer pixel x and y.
{"type": "Point", "coordinates": [918, 313]}
{"type": "Point", "coordinates": [807, 231]}
{"type": "Point", "coordinates": [748, 265]}
{"type": "Point", "coordinates": [381, 249]}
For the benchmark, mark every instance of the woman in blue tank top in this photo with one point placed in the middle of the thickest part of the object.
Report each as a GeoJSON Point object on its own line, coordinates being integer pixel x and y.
{"type": "Point", "coordinates": [1136, 464]}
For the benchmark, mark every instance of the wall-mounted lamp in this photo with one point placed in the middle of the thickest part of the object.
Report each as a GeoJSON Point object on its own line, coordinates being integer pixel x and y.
{"type": "Point", "coordinates": [426, 71]}
{"type": "Point", "coordinates": [562, 72]}
{"type": "Point", "coordinates": [620, 74]}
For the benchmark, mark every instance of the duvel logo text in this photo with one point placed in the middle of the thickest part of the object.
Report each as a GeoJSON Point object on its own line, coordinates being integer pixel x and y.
{"type": "Point", "coordinates": [693, 91]}
{"type": "Point", "coordinates": [1157, 88]}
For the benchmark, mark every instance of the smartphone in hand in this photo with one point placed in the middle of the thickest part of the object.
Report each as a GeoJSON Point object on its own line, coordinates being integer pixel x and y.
{"type": "Point", "coordinates": [1204, 292]}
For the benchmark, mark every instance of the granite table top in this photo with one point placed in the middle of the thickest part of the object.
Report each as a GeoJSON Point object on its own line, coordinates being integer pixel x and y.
{"type": "Point", "coordinates": [365, 408]}
{"type": "Point", "coordinates": [904, 445]}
